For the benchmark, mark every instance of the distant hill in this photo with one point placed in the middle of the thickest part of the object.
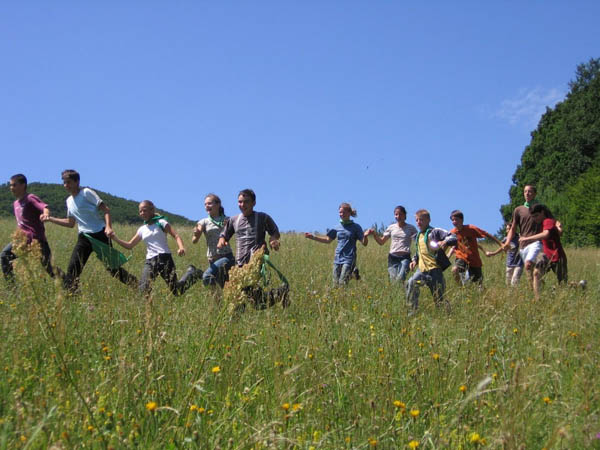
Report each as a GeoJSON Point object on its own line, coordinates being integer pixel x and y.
{"type": "Point", "coordinates": [121, 210]}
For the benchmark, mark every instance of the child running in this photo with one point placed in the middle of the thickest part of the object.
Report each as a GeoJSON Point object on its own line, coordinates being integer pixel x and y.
{"type": "Point", "coordinates": [220, 260]}
{"type": "Point", "coordinates": [467, 249]}
{"type": "Point", "coordinates": [250, 228]}
{"type": "Point", "coordinates": [29, 210]}
{"type": "Point", "coordinates": [92, 216]}
{"type": "Point", "coordinates": [514, 263]}
{"type": "Point", "coordinates": [555, 257]}
{"type": "Point", "coordinates": [430, 260]}
{"type": "Point", "coordinates": [347, 233]}
{"type": "Point", "coordinates": [158, 255]}
{"type": "Point", "coordinates": [402, 235]}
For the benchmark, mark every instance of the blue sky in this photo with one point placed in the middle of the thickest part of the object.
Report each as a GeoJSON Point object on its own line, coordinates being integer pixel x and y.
{"type": "Point", "coordinates": [423, 104]}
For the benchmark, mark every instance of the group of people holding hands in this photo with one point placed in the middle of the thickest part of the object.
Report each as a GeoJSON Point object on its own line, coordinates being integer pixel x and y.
{"type": "Point", "coordinates": [536, 249]}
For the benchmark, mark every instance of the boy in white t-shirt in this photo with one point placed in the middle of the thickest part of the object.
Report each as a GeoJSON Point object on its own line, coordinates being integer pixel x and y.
{"type": "Point", "coordinates": [86, 209]}
{"type": "Point", "coordinates": [158, 254]}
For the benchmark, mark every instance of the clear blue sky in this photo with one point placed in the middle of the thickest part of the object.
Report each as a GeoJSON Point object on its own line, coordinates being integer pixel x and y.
{"type": "Point", "coordinates": [424, 104]}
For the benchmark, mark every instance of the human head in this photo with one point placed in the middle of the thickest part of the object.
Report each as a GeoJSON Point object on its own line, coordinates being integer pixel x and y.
{"type": "Point", "coordinates": [346, 211]}
{"type": "Point", "coordinates": [212, 204]}
{"type": "Point", "coordinates": [71, 179]}
{"type": "Point", "coordinates": [18, 185]}
{"type": "Point", "coordinates": [246, 201]}
{"type": "Point", "coordinates": [508, 226]}
{"type": "Point", "coordinates": [146, 209]}
{"type": "Point", "coordinates": [457, 218]}
{"type": "Point", "coordinates": [529, 192]}
{"type": "Point", "coordinates": [422, 218]}
{"type": "Point", "coordinates": [540, 212]}
{"type": "Point", "coordinates": [400, 213]}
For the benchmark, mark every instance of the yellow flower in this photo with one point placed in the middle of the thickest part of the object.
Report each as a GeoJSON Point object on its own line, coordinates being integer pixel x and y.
{"type": "Point", "coordinates": [436, 356]}
{"type": "Point", "coordinates": [201, 410]}
{"type": "Point", "coordinates": [373, 442]}
{"type": "Point", "coordinates": [399, 404]}
{"type": "Point", "coordinates": [151, 406]}
{"type": "Point", "coordinates": [515, 330]}
{"type": "Point", "coordinates": [462, 388]}
{"type": "Point", "coordinates": [297, 406]}
{"type": "Point", "coordinates": [216, 369]}
{"type": "Point", "coordinates": [285, 406]}
{"type": "Point", "coordinates": [547, 400]}
{"type": "Point", "coordinates": [193, 408]}
{"type": "Point", "coordinates": [414, 413]}
{"type": "Point", "coordinates": [474, 438]}
{"type": "Point", "coordinates": [413, 444]}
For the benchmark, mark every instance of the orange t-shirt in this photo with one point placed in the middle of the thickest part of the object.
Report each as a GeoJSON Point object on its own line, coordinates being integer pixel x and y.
{"type": "Point", "coordinates": [467, 247]}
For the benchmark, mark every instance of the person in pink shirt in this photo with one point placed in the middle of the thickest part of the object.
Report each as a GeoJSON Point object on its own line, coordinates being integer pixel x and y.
{"type": "Point", "coordinates": [29, 211]}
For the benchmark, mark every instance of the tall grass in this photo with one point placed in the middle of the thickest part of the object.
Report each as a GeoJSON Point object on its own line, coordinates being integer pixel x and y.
{"type": "Point", "coordinates": [339, 368]}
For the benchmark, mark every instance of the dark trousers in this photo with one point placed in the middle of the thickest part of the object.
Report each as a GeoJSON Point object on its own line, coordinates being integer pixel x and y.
{"type": "Point", "coordinates": [82, 251]}
{"type": "Point", "coordinates": [164, 266]}
{"type": "Point", "coordinates": [7, 257]}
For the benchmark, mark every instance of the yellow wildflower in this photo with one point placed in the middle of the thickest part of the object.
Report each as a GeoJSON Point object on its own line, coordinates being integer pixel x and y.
{"type": "Point", "coordinates": [216, 369]}
{"type": "Point", "coordinates": [413, 444]}
{"type": "Point", "coordinates": [414, 413]}
{"type": "Point", "coordinates": [285, 406]}
{"type": "Point", "coordinates": [399, 404]}
{"type": "Point", "coordinates": [151, 406]}
{"type": "Point", "coordinates": [462, 388]}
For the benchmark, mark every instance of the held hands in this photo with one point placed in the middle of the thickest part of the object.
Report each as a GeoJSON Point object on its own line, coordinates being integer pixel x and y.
{"type": "Point", "coordinates": [308, 235]}
{"type": "Point", "coordinates": [412, 265]}
{"type": "Point", "coordinates": [274, 243]}
{"type": "Point", "coordinates": [108, 231]}
{"type": "Point", "coordinates": [222, 242]}
{"type": "Point", "coordinates": [44, 217]}
{"type": "Point", "coordinates": [181, 251]}
{"type": "Point", "coordinates": [369, 232]}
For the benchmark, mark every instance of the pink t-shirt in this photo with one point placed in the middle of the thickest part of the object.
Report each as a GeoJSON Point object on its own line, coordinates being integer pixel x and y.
{"type": "Point", "coordinates": [553, 248]}
{"type": "Point", "coordinates": [27, 212]}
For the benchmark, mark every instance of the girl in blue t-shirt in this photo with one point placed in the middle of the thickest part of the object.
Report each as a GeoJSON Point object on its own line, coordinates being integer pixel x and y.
{"type": "Point", "coordinates": [347, 233]}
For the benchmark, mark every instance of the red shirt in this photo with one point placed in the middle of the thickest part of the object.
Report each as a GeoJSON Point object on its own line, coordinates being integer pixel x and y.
{"type": "Point", "coordinates": [553, 248]}
{"type": "Point", "coordinates": [467, 247]}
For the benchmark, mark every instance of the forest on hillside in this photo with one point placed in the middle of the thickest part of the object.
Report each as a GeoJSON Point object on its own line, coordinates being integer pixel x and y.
{"type": "Point", "coordinates": [563, 160]}
{"type": "Point", "coordinates": [121, 210]}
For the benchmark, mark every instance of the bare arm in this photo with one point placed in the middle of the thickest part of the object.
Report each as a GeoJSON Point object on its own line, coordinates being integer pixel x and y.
{"type": "Point", "coordinates": [536, 237]}
{"type": "Point", "coordinates": [379, 239]}
{"type": "Point", "coordinates": [323, 240]}
{"type": "Point", "coordinates": [495, 252]}
{"type": "Point", "coordinates": [126, 244]}
{"type": "Point", "coordinates": [68, 222]}
{"type": "Point", "coordinates": [198, 230]}
{"type": "Point", "coordinates": [493, 238]}
{"type": "Point", "coordinates": [180, 248]}
{"type": "Point", "coordinates": [108, 231]}
{"type": "Point", "coordinates": [509, 236]}
{"type": "Point", "coordinates": [365, 240]}
{"type": "Point", "coordinates": [559, 228]}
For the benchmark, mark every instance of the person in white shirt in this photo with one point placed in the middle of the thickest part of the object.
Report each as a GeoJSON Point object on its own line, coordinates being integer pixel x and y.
{"type": "Point", "coordinates": [158, 254]}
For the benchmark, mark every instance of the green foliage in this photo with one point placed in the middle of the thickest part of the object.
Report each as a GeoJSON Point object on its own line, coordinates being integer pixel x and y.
{"type": "Point", "coordinates": [563, 148]}
{"type": "Point", "coordinates": [121, 210]}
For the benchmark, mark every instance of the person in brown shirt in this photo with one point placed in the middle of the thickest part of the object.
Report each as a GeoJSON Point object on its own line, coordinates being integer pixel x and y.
{"type": "Point", "coordinates": [531, 252]}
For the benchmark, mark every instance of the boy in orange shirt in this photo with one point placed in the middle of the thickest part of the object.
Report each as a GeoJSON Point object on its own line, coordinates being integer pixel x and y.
{"type": "Point", "coordinates": [467, 249]}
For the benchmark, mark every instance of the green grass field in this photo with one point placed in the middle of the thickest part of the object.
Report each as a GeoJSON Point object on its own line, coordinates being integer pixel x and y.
{"type": "Point", "coordinates": [339, 368]}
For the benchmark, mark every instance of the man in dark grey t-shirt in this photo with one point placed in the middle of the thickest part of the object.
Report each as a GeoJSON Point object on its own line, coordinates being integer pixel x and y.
{"type": "Point", "coordinates": [250, 228]}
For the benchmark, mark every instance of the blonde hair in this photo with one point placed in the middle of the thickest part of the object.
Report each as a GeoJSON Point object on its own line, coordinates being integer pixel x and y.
{"type": "Point", "coordinates": [348, 207]}
{"type": "Point", "coordinates": [423, 213]}
{"type": "Point", "coordinates": [148, 203]}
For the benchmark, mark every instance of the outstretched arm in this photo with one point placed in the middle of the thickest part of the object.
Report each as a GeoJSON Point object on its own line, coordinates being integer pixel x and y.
{"type": "Point", "coordinates": [126, 244]}
{"type": "Point", "coordinates": [68, 222]}
{"type": "Point", "coordinates": [274, 240]}
{"type": "Point", "coordinates": [323, 240]}
{"type": "Point", "coordinates": [198, 230]}
{"type": "Point", "coordinates": [107, 220]}
{"type": "Point", "coordinates": [379, 239]}
{"type": "Point", "coordinates": [536, 237]}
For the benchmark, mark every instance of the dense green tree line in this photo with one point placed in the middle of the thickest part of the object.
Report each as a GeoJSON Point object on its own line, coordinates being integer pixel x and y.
{"type": "Point", "coordinates": [122, 210]}
{"type": "Point", "coordinates": [563, 160]}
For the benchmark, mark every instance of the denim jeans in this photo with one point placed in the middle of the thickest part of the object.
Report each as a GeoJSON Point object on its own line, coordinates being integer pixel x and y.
{"type": "Point", "coordinates": [434, 280]}
{"type": "Point", "coordinates": [217, 271]}
{"type": "Point", "coordinates": [164, 266]}
{"type": "Point", "coordinates": [398, 267]}
{"type": "Point", "coordinates": [7, 257]}
{"type": "Point", "coordinates": [341, 273]}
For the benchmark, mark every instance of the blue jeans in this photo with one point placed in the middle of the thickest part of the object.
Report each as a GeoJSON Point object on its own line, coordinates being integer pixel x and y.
{"type": "Point", "coordinates": [217, 271]}
{"type": "Point", "coordinates": [341, 273]}
{"type": "Point", "coordinates": [434, 280]}
{"type": "Point", "coordinates": [7, 257]}
{"type": "Point", "coordinates": [398, 267]}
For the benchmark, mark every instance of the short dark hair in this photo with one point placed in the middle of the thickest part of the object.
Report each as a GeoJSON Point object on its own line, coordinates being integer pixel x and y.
{"type": "Point", "coordinates": [532, 186]}
{"type": "Point", "coordinates": [539, 208]}
{"type": "Point", "coordinates": [457, 213]}
{"type": "Point", "coordinates": [402, 209]}
{"type": "Point", "coordinates": [70, 174]}
{"type": "Point", "coordinates": [248, 193]}
{"type": "Point", "coordinates": [19, 178]}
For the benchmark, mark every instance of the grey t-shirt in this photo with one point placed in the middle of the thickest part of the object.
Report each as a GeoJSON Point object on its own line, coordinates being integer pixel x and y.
{"type": "Point", "coordinates": [401, 238]}
{"type": "Point", "coordinates": [213, 231]}
{"type": "Point", "coordinates": [250, 233]}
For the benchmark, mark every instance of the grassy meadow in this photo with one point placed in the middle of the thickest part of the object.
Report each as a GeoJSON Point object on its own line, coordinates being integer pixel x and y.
{"type": "Point", "coordinates": [339, 368]}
